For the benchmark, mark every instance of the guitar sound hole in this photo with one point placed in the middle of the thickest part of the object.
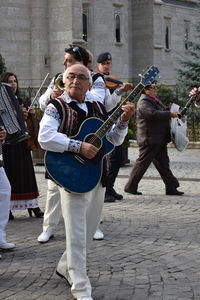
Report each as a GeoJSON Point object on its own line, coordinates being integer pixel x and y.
{"type": "Point", "coordinates": [94, 140]}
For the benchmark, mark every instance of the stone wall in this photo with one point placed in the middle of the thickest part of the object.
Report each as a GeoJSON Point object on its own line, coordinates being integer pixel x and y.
{"type": "Point", "coordinates": [15, 44]}
{"type": "Point", "coordinates": [174, 14]}
{"type": "Point", "coordinates": [33, 35]}
{"type": "Point", "coordinates": [102, 33]}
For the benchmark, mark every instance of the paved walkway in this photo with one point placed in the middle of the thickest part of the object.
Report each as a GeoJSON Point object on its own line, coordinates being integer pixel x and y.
{"type": "Point", "coordinates": [151, 248]}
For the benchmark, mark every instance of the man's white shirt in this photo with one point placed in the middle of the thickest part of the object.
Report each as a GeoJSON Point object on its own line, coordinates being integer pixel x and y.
{"type": "Point", "coordinates": [52, 140]}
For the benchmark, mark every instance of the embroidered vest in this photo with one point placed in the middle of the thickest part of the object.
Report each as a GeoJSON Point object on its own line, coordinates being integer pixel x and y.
{"type": "Point", "coordinates": [72, 116]}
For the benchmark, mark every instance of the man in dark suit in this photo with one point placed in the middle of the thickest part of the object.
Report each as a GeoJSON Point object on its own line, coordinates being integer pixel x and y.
{"type": "Point", "coordinates": [153, 134]}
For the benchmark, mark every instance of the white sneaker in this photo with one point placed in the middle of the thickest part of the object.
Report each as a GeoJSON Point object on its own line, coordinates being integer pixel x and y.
{"type": "Point", "coordinates": [45, 236]}
{"type": "Point", "coordinates": [98, 235]}
{"type": "Point", "coordinates": [7, 246]}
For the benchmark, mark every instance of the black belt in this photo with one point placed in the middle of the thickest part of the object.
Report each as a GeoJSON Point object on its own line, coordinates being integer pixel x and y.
{"type": "Point", "coordinates": [1, 163]}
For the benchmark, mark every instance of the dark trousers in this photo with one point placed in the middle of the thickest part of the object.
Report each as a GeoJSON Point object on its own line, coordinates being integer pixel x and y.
{"type": "Point", "coordinates": [156, 154]}
{"type": "Point", "coordinates": [115, 162]}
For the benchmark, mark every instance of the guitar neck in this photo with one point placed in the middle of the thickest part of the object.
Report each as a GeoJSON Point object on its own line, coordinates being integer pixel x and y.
{"type": "Point", "coordinates": [117, 113]}
{"type": "Point", "coordinates": [188, 104]}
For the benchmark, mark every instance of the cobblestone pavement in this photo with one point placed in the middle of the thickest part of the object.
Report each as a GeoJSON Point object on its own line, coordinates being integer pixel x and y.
{"type": "Point", "coordinates": [151, 248]}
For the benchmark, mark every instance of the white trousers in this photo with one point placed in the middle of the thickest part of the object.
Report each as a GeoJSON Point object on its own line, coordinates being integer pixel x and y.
{"type": "Point", "coordinates": [52, 213]}
{"type": "Point", "coordinates": [5, 194]}
{"type": "Point", "coordinates": [81, 213]}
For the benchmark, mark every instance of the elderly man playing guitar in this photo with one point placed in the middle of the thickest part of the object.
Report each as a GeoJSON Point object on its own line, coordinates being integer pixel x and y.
{"type": "Point", "coordinates": [81, 210]}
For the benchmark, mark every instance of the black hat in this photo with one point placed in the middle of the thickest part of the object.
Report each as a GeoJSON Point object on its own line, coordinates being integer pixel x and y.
{"type": "Point", "coordinates": [79, 53]}
{"type": "Point", "coordinates": [103, 57]}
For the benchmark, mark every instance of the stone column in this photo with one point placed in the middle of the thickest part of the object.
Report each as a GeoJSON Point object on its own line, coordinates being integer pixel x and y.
{"type": "Point", "coordinates": [39, 52]}
{"type": "Point", "coordinates": [60, 32]}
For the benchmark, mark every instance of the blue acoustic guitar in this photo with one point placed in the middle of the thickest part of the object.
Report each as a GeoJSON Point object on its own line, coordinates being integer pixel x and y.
{"type": "Point", "coordinates": [76, 173]}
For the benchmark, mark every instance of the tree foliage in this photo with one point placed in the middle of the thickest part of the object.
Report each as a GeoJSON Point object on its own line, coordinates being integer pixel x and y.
{"type": "Point", "coordinates": [166, 95]}
{"type": "Point", "coordinates": [2, 64]}
{"type": "Point", "coordinates": [189, 77]}
{"type": "Point", "coordinates": [189, 74]}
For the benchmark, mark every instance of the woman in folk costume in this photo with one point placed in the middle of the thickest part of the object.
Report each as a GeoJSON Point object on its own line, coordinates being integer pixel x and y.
{"type": "Point", "coordinates": [19, 166]}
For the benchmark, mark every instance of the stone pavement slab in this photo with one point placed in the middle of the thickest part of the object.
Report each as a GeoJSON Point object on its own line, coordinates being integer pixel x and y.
{"type": "Point", "coordinates": [151, 248]}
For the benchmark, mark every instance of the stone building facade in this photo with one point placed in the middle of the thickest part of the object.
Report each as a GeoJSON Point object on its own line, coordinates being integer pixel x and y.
{"type": "Point", "coordinates": [138, 33]}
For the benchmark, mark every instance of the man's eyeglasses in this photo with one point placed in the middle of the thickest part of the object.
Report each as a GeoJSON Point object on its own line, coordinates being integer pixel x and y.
{"type": "Point", "coordinates": [80, 77]}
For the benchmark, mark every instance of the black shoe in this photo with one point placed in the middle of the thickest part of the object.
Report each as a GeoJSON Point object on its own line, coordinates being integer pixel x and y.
{"type": "Point", "coordinates": [11, 217]}
{"type": "Point", "coordinates": [37, 212]}
{"type": "Point", "coordinates": [125, 162]}
{"type": "Point", "coordinates": [132, 192]}
{"type": "Point", "coordinates": [113, 193]}
{"type": "Point", "coordinates": [174, 192]}
{"type": "Point", "coordinates": [109, 198]}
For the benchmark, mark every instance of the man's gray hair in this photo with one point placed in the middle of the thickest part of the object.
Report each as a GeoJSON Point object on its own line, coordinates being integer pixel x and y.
{"type": "Point", "coordinates": [87, 70]}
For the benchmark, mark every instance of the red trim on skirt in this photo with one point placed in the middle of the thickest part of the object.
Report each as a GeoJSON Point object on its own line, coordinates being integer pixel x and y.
{"type": "Point", "coordinates": [27, 196]}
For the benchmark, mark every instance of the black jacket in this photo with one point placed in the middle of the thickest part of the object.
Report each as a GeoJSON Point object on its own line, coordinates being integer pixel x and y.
{"type": "Point", "coordinates": [153, 122]}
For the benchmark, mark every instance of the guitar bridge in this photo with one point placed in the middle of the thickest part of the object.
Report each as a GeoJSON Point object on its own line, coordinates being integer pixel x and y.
{"type": "Point", "coordinates": [80, 159]}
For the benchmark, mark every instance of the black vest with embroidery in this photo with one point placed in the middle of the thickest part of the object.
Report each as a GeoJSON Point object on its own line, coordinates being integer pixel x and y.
{"type": "Point", "coordinates": [72, 116]}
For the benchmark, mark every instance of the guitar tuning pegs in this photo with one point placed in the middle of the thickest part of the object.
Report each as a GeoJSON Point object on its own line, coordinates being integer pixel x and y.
{"type": "Point", "coordinates": [158, 78]}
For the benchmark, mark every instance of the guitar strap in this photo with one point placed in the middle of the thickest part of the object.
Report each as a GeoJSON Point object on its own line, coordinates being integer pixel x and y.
{"type": "Point", "coordinates": [96, 75]}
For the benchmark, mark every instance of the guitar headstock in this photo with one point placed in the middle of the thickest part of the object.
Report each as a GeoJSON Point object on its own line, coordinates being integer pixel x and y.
{"type": "Point", "coordinates": [149, 76]}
